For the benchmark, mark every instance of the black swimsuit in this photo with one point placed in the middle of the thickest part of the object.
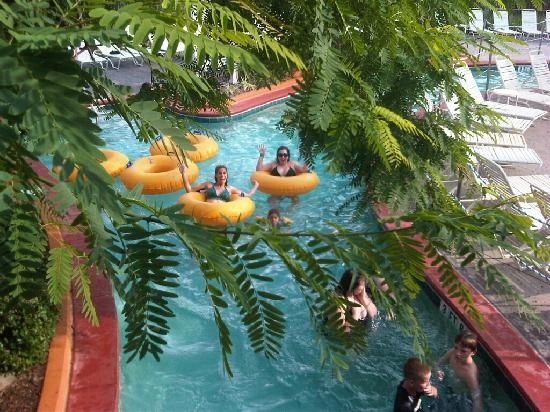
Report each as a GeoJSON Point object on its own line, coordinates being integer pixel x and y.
{"type": "Point", "coordinates": [275, 172]}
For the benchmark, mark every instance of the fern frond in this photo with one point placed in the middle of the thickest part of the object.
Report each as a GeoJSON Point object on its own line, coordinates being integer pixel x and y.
{"type": "Point", "coordinates": [59, 272]}
{"type": "Point", "coordinates": [83, 290]}
{"type": "Point", "coordinates": [384, 143]}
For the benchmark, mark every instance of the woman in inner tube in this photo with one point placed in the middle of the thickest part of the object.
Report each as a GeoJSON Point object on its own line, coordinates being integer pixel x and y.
{"type": "Point", "coordinates": [219, 190]}
{"type": "Point", "coordinates": [282, 166]}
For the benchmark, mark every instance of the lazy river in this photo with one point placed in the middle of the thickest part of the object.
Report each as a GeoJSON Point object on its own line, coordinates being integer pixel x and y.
{"type": "Point", "coordinates": [189, 376]}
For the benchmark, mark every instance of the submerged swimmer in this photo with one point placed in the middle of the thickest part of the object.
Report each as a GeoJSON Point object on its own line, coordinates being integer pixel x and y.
{"type": "Point", "coordinates": [274, 218]}
{"type": "Point", "coordinates": [353, 286]}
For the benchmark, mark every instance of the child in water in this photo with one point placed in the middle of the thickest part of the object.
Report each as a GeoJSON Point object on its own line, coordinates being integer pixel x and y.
{"type": "Point", "coordinates": [460, 360]}
{"type": "Point", "coordinates": [416, 383]}
{"type": "Point", "coordinates": [274, 219]}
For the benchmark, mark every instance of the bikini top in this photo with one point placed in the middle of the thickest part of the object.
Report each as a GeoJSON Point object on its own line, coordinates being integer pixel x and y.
{"type": "Point", "coordinates": [290, 172]}
{"type": "Point", "coordinates": [211, 194]}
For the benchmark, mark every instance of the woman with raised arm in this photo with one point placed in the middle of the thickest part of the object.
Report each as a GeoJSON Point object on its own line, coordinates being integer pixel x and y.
{"type": "Point", "coordinates": [219, 190]}
{"type": "Point", "coordinates": [282, 165]}
{"type": "Point", "coordinates": [283, 177]}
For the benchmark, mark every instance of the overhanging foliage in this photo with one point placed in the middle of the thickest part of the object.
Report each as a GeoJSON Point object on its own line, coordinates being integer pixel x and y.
{"type": "Point", "coordinates": [353, 109]}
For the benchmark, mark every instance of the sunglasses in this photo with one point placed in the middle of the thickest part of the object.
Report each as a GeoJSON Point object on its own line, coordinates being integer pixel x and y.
{"type": "Point", "coordinates": [282, 154]}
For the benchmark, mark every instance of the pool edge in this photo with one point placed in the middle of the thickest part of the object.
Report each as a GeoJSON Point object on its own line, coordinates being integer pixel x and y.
{"type": "Point", "coordinates": [519, 362]}
{"type": "Point", "coordinates": [94, 365]}
{"type": "Point", "coordinates": [55, 387]}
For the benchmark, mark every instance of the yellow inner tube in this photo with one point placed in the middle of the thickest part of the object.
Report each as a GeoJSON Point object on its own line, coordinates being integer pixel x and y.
{"type": "Point", "coordinates": [114, 164]}
{"type": "Point", "coordinates": [285, 186]}
{"type": "Point", "coordinates": [237, 209]}
{"type": "Point", "coordinates": [206, 147]}
{"type": "Point", "coordinates": [159, 174]}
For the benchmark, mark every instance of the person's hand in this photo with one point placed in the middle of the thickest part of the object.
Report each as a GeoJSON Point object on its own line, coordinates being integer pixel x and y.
{"type": "Point", "coordinates": [439, 375]}
{"type": "Point", "coordinates": [431, 391]}
{"type": "Point", "coordinates": [182, 168]}
{"type": "Point", "coordinates": [256, 183]}
{"type": "Point", "coordinates": [261, 150]}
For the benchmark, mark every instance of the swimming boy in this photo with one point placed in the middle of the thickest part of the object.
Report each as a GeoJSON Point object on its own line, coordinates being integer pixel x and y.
{"type": "Point", "coordinates": [460, 359]}
{"type": "Point", "coordinates": [415, 385]}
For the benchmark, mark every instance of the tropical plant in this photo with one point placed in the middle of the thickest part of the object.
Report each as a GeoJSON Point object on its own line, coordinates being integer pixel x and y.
{"type": "Point", "coordinates": [43, 111]}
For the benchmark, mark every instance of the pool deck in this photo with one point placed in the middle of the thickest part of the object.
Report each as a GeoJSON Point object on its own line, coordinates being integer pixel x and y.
{"type": "Point", "coordinates": [514, 346]}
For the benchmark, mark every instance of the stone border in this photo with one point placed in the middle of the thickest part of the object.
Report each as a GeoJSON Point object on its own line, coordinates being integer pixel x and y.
{"type": "Point", "coordinates": [55, 388]}
{"type": "Point", "coordinates": [94, 370]}
{"type": "Point", "coordinates": [521, 364]}
{"type": "Point", "coordinates": [244, 102]}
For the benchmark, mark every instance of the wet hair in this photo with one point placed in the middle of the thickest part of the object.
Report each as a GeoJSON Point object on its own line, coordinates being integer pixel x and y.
{"type": "Point", "coordinates": [278, 150]}
{"type": "Point", "coordinates": [272, 212]}
{"type": "Point", "coordinates": [467, 339]}
{"type": "Point", "coordinates": [347, 281]}
{"type": "Point", "coordinates": [218, 167]}
{"type": "Point", "coordinates": [415, 370]}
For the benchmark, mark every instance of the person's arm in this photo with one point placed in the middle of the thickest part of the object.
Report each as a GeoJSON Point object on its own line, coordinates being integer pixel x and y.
{"type": "Point", "coordinates": [442, 361]}
{"type": "Point", "coordinates": [235, 191]}
{"type": "Point", "coordinates": [254, 188]}
{"type": "Point", "coordinates": [431, 391]}
{"type": "Point", "coordinates": [186, 184]}
{"type": "Point", "coordinates": [382, 286]}
{"type": "Point", "coordinates": [260, 164]}
{"type": "Point", "coordinates": [368, 304]}
{"type": "Point", "coordinates": [472, 382]}
{"type": "Point", "coordinates": [342, 313]}
{"type": "Point", "coordinates": [298, 167]}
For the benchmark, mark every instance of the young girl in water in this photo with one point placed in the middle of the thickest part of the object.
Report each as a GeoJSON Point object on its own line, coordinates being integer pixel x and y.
{"type": "Point", "coordinates": [352, 286]}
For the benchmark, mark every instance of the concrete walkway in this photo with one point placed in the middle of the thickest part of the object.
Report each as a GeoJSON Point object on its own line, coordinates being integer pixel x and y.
{"type": "Point", "coordinates": [531, 286]}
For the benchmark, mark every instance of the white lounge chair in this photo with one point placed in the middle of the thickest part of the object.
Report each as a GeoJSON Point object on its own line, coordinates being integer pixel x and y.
{"type": "Point", "coordinates": [539, 65]}
{"type": "Point", "coordinates": [477, 22]}
{"type": "Point", "coordinates": [529, 23]}
{"type": "Point", "coordinates": [492, 138]}
{"type": "Point", "coordinates": [115, 55]}
{"type": "Point", "coordinates": [512, 89]}
{"type": "Point", "coordinates": [505, 187]}
{"type": "Point", "coordinates": [496, 139]}
{"type": "Point", "coordinates": [137, 57]}
{"type": "Point", "coordinates": [497, 153]}
{"type": "Point", "coordinates": [511, 124]}
{"type": "Point", "coordinates": [86, 57]}
{"type": "Point", "coordinates": [508, 155]}
{"type": "Point", "coordinates": [469, 84]}
{"type": "Point", "coordinates": [501, 25]}
{"type": "Point", "coordinates": [542, 197]}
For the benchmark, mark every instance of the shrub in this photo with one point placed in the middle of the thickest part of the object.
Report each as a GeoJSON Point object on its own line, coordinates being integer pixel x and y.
{"type": "Point", "coordinates": [26, 329]}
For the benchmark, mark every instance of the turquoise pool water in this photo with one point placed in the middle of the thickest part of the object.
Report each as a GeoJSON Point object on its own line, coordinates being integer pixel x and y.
{"type": "Point", "coordinates": [524, 72]}
{"type": "Point", "coordinates": [189, 376]}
